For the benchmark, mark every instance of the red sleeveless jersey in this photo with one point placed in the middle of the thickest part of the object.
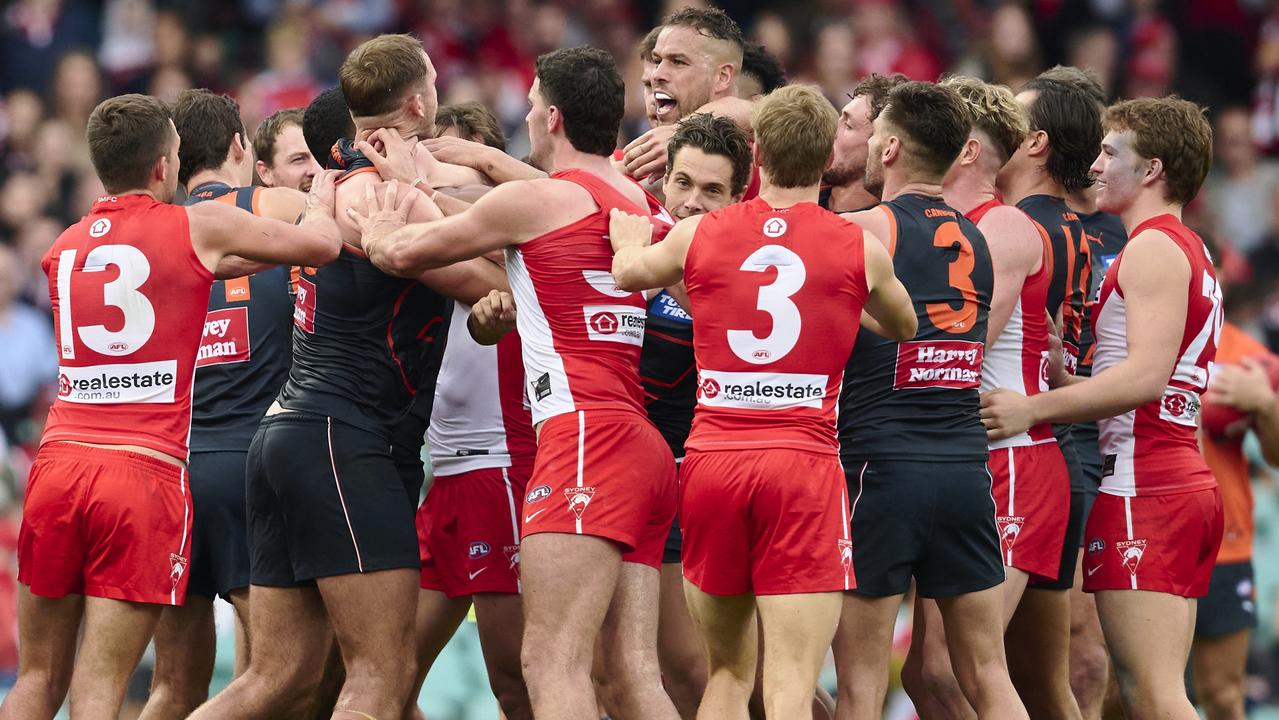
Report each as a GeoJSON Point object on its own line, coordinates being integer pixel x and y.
{"type": "Point", "coordinates": [1018, 360]}
{"type": "Point", "coordinates": [776, 296]}
{"type": "Point", "coordinates": [129, 297]}
{"type": "Point", "coordinates": [1153, 450]}
{"type": "Point", "coordinates": [580, 334]}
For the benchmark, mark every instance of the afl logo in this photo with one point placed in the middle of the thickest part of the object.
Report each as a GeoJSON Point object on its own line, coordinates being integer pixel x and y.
{"type": "Point", "coordinates": [119, 347]}
{"type": "Point", "coordinates": [604, 323]}
{"type": "Point", "coordinates": [64, 385]}
{"type": "Point", "coordinates": [538, 494]}
{"type": "Point", "coordinates": [100, 227]}
{"type": "Point", "coordinates": [478, 549]}
{"type": "Point", "coordinates": [774, 227]}
{"type": "Point", "coordinates": [710, 388]}
{"type": "Point", "coordinates": [761, 354]}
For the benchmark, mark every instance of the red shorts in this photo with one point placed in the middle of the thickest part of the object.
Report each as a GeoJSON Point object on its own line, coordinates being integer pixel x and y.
{"type": "Point", "coordinates": [105, 523]}
{"type": "Point", "coordinates": [1160, 543]}
{"type": "Point", "coordinates": [468, 531]}
{"type": "Point", "coordinates": [1031, 487]}
{"type": "Point", "coordinates": [768, 522]}
{"type": "Point", "coordinates": [605, 473]}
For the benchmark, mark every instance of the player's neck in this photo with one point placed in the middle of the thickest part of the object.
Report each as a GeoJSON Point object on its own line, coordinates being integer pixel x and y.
{"type": "Point", "coordinates": [895, 187]}
{"type": "Point", "coordinates": [566, 157]}
{"type": "Point", "coordinates": [1083, 203]}
{"type": "Point", "coordinates": [969, 189]}
{"type": "Point", "coordinates": [223, 175]}
{"type": "Point", "coordinates": [784, 197]}
{"type": "Point", "coordinates": [1148, 205]}
{"type": "Point", "coordinates": [851, 198]}
{"type": "Point", "coordinates": [1035, 182]}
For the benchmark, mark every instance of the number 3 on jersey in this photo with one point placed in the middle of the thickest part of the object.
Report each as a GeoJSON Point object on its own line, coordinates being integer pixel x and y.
{"type": "Point", "coordinates": [944, 315]}
{"type": "Point", "coordinates": [121, 293]}
{"type": "Point", "coordinates": [774, 299]}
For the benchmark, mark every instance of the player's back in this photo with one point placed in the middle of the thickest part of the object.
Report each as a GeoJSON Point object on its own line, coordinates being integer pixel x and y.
{"type": "Point", "coordinates": [581, 335]}
{"type": "Point", "coordinates": [128, 296]}
{"type": "Point", "coordinates": [770, 376]}
{"type": "Point", "coordinates": [246, 346]}
{"type": "Point", "coordinates": [1153, 450]}
{"type": "Point", "coordinates": [920, 398]}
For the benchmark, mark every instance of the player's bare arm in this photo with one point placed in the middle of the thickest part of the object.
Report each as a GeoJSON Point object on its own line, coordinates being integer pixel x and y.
{"type": "Point", "coordinates": [219, 231]}
{"type": "Point", "coordinates": [1016, 252]}
{"type": "Point", "coordinates": [1154, 278]}
{"type": "Point", "coordinates": [494, 164]}
{"type": "Point", "coordinates": [1246, 388]}
{"type": "Point", "coordinates": [411, 163]}
{"type": "Point", "coordinates": [888, 301]}
{"type": "Point", "coordinates": [492, 317]}
{"type": "Point", "coordinates": [640, 265]}
{"type": "Point", "coordinates": [876, 224]}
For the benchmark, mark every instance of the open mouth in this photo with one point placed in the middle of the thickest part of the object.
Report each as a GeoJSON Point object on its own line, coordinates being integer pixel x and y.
{"type": "Point", "coordinates": [664, 103]}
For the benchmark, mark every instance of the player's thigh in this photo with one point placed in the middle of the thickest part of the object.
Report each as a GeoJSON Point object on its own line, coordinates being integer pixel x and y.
{"type": "Point", "coordinates": [797, 630]}
{"type": "Point", "coordinates": [678, 647]}
{"type": "Point", "coordinates": [373, 614]}
{"type": "Point", "coordinates": [864, 637]}
{"type": "Point", "coordinates": [499, 617]}
{"type": "Point", "coordinates": [438, 617]}
{"type": "Point", "coordinates": [115, 634]}
{"type": "Point", "coordinates": [973, 628]}
{"type": "Point", "coordinates": [185, 642]}
{"type": "Point", "coordinates": [728, 627]}
{"type": "Point", "coordinates": [47, 632]}
{"type": "Point", "coordinates": [1148, 635]}
{"type": "Point", "coordinates": [290, 631]}
{"type": "Point", "coordinates": [1219, 662]}
{"type": "Point", "coordinates": [630, 627]}
{"type": "Point", "coordinates": [566, 576]}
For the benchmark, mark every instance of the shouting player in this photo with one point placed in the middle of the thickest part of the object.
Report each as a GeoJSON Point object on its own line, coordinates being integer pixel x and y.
{"type": "Point", "coordinates": [243, 360]}
{"type": "Point", "coordinates": [911, 445]}
{"type": "Point", "coordinates": [106, 526]}
{"type": "Point", "coordinates": [1154, 531]}
{"type": "Point", "coordinates": [843, 189]}
{"type": "Point", "coordinates": [602, 496]}
{"type": "Point", "coordinates": [283, 157]}
{"type": "Point", "coordinates": [763, 501]}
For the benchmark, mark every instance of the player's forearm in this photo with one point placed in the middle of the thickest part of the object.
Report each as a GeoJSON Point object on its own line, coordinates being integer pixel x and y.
{"type": "Point", "coordinates": [1266, 426]}
{"type": "Point", "coordinates": [409, 251]}
{"type": "Point", "coordinates": [632, 271]}
{"type": "Point", "coordinates": [1118, 390]}
{"type": "Point", "coordinates": [500, 167]}
{"type": "Point", "coordinates": [318, 235]}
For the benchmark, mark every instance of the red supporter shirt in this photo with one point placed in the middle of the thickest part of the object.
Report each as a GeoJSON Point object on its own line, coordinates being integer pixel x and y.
{"type": "Point", "coordinates": [129, 297]}
{"type": "Point", "coordinates": [770, 371]}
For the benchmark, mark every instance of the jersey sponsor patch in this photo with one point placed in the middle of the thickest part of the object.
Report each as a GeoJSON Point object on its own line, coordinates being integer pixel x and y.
{"type": "Point", "coordinates": [152, 382]}
{"type": "Point", "coordinates": [1179, 406]}
{"type": "Point", "coordinates": [237, 289]}
{"type": "Point", "coordinates": [226, 337]}
{"type": "Point", "coordinates": [1070, 354]}
{"type": "Point", "coordinates": [667, 307]}
{"type": "Point", "coordinates": [954, 364]}
{"type": "Point", "coordinates": [304, 305]}
{"type": "Point", "coordinates": [615, 323]}
{"type": "Point", "coordinates": [761, 391]}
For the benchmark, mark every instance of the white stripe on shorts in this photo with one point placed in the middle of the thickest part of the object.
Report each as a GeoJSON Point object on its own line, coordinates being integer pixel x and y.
{"type": "Point", "coordinates": [338, 483]}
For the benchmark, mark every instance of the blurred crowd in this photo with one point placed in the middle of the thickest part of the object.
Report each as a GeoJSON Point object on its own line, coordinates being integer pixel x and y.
{"type": "Point", "coordinates": [59, 58]}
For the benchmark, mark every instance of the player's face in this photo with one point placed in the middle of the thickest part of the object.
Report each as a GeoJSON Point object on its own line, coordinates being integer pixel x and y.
{"type": "Point", "coordinates": [650, 102]}
{"type": "Point", "coordinates": [292, 165]}
{"type": "Point", "coordinates": [852, 135]}
{"type": "Point", "coordinates": [171, 179]}
{"type": "Point", "coordinates": [430, 101]}
{"type": "Point", "coordinates": [684, 74]}
{"type": "Point", "coordinates": [1120, 171]}
{"type": "Point", "coordinates": [539, 138]}
{"type": "Point", "coordinates": [698, 182]}
{"type": "Point", "coordinates": [873, 180]}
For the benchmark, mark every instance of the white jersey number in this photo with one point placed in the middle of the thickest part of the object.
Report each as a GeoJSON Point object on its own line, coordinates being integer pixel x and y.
{"type": "Point", "coordinates": [1188, 370]}
{"type": "Point", "coordinates": [122, 293]}
{"type": "Point", "coordinates": [774, 299]}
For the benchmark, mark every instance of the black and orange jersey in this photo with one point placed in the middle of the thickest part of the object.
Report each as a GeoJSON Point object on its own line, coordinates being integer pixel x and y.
{"type": "Point", "coordinates": [1071, 265]}
{"type": "Point", "coordinates": [245, 349]}
{"type": "Point", "coordinates": [920, 399]}
{"type": "Point", "coordinates": [668, 370]}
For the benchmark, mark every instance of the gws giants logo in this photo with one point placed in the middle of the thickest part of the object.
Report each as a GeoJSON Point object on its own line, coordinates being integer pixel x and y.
{"type": "Point", "coordinates": [1131, 551]}
{"type": "Point", "coordinates": [537, 494]}
{"type": "Point", "coordinates": [1009, 530]}
{"type": "Point", "coordinates": [774, 227]}
{"type": "Point", "coordinates": [578, 499]}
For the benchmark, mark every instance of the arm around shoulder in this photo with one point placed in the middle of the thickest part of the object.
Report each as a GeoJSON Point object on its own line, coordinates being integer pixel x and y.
{"type": "Point", "coordinates": [887, 301]}
{"type": "Point", "coordinates": [637, 265]}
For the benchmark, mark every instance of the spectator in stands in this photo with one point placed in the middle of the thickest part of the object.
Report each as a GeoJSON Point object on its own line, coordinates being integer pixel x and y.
{"type": "Point", "coordinates": [1239, 189]}
{"type": "Point", "coordinates": [26, 334]}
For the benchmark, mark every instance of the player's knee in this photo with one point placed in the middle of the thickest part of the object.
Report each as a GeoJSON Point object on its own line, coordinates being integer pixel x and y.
{"type": "Point", "coordinates": [935, 680]}
{"type": "Point", "coordinates": [1089, 667]}
{"type": "Point", "coordinates": [687, 677]}
{"type": "Point", "coordinates": [1222, 699]}
{"type": "Point", "coordinates": [510, 691]}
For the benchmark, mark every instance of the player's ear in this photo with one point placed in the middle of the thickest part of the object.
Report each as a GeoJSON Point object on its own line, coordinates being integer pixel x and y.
{"type": "Point", "coordinates": [264, 172]}
{"type": "Point", "coordinates": [755, 155]}
{"type": "Point", "coordinates": [1037, 142]}
{"type": "Point", "coordinates": [892, 149]}
{"type": "Point", "coordinates": [415, 105]}
{"type": "Point", "coordinates": [237, 149]}
{"type": "Point", "coordinates": [1154, 171]}
{"type": "Point", "coordinates": [554, 119]}
{"type": "Point", "coordinates": [725, 76]}
{"type": "Point", "coordinates": [970, 152]}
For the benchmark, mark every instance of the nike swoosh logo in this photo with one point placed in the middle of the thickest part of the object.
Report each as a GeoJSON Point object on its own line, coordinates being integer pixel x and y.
{"type": "Point", "coordinates": [1090, 572]}
{"type": "Point", "coordinates": [477, 572]}
{"type": "Point", "coordinates": [530, 517]}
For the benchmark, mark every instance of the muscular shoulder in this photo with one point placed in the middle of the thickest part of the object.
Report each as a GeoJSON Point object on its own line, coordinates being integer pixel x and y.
{"type": "Point", "coordinates": [280, 203]}
{"type": "Point", "coordinates": [878, 221]}
{"type": "Point", "coordinates": [1152, 256]}
{"type": "Point", "coordinates": [1008, 219]}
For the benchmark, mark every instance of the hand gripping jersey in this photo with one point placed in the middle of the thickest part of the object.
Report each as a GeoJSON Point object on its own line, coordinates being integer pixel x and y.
{"type": "Point", "coordinates": [246, 347]}
{"type": "Point", "coordinates": [668, 370]}
{"type": "Point", "coordinates": [128, 295]}
{"type": "Point", "coordinates": [920, 399]}
{"type": "Point", "coordinates": [1152, 450]}
{"type": "Point", "coordinates": [1070, 269]}
{"type": "Point", "coordinates": [581, 335]}
{"type": "Point", "coordinates": [480, 420]}
{"type": "Point", "coordinates": [365, 344]}
{"type": "Point", "coordinates": [770, 371]}
{"type": "Point", "coordinates": [1019, 359]}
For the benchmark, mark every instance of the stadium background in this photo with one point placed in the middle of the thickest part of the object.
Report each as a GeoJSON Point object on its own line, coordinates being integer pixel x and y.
{"type": "Point", "coordinates": [59, 58]}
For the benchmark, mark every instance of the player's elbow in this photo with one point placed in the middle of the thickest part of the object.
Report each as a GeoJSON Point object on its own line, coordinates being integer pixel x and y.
{"type": "Point", "coordinates": [904, 328]}
{"type": "Point", "coordinates": [327, 249]}
{"type": "Point", "coordinates": [1148, 388]}
{"type": "Point", "coordinates": [400, 259]}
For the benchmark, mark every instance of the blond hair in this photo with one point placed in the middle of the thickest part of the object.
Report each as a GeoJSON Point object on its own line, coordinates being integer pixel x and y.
{"type": "Point", "coordinates": [794, 133]}
{"type": "Point", "coordinates": [994, 110]}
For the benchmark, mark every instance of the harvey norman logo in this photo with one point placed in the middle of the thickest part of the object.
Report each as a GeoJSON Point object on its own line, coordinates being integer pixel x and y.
{"type": "Point", "coordinates": [761, 391]}
{"type": "Point", "coordinates": [226, 337]}
{"type": "Point", "coordinates": [152, 382]}
{"type": "Point", "coordinates": [954, 364]}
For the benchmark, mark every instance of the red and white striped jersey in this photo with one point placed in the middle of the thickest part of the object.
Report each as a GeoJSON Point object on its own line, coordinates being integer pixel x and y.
{"type": "Point", "coordinates": [1018, 360]}
{"type": "Point", "coordinates": [1153, 450]}
{"type": "Point", "coordinates": [581, 335]}
{"type": "Point", "coordinates": [129, 297]}
{"type": "Point", "coordinates": [776, 297]}
{"type": "Point", "coordinates": [480, 419]}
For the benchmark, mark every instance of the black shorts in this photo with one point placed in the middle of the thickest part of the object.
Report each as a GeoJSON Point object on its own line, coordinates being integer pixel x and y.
{"type": "Point", "coordinates": [1091, 467]}
{"type": "Point", "coordinates": [1231, 602]}
{"type": "Point", "coordinates": [219, 530]}
{"type": "Point", "coordinates": [326, 498]}
{"type": "Point", "coordinates": [1079, 504]}
{"type": "Point", "coordinates": [934, 521]}
{"type": "Point", "coordinates": [674, 544]}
